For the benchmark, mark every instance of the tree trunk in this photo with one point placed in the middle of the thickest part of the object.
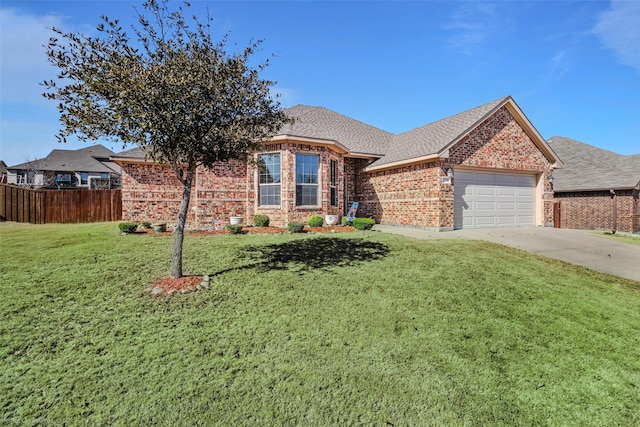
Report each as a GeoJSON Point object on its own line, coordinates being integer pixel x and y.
{"type": "Point", "coordinates": [178, 232]}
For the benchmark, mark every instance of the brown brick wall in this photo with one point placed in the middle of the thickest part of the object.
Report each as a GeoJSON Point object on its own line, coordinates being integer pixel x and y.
{"type": "Point", "coordinates": [593, 210]}
{"type": "Point", "coordinates": [499, 143]}
{"type": "Point", "coordinates": [411, 195]}
{"type": "Point", "coordinates": [152, 192]}
{"type": "Point", "coordinates": [415, 196]}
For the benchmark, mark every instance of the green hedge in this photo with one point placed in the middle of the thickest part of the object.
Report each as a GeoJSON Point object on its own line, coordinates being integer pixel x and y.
{"type": "Point", "coordinates": [295, 227]}
{"type": "Point", "coordinates": [234, 228]}
{"type": "Point", "coordinates": [127, 227]}
{"type": "Point", "coordinates": [315, 221]}
{"type": "Point", "coordinates": [261, 220]}
{"type": "Point", "coordinates": [363, 223]}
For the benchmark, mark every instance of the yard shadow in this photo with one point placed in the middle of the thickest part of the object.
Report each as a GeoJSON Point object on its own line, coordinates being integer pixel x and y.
{"type": "Point", "coordinates": [308, 254]}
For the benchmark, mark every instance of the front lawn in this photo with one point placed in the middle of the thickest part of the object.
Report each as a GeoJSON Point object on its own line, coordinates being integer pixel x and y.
{"type": "Point", "coordinates": [348, 329]}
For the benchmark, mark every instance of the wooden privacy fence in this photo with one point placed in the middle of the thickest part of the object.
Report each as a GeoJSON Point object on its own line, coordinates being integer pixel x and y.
{"type": "Point", "coordinates": [59, 206]}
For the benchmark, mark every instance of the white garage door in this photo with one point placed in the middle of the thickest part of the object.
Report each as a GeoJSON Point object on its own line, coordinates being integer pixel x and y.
{"type": "Point", "coordinates": [487, 199]}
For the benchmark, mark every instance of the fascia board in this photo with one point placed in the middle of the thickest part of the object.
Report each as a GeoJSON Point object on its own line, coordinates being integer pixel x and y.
{"type": "Point", "coordinates": [335, 145]}
{"type": "Point", "coordinates": [407, 162]}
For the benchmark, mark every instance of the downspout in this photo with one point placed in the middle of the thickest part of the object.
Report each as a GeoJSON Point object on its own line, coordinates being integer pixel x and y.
{"type": "Point", "coordinates": [614, 199]}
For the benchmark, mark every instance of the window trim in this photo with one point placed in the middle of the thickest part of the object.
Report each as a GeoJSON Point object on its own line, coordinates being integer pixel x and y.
{"type": "Point", "coordinates": [271, 184]}
{"type": "Point", "coordinates": [333, 182]}
{"type": "Point", "coordinates": [317, 185]}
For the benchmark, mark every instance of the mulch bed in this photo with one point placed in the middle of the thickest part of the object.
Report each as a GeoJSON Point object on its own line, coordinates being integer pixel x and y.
{"type": "Point", "coordinates": [256, 230]}
{"type": "Point", "coordinates": [187, 284]}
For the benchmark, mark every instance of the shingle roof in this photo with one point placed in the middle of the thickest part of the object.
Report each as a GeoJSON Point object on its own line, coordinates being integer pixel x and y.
{"type": "Point", "coordinates": [591, 168]}
{"type": "Point", "coordinates": [361, 139]}
{"type": "Point", "coordinates": [321, 123]}
{"type": "Point", "coordinates": [82, 160]}
{"type": "Point", "coordinates": [434, 137]}
{"type": "Point", "coordinates": [132, 153]}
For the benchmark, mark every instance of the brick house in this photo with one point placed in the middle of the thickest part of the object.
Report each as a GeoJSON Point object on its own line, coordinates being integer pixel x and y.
{"type": "Point", "coordinates": [596, 189]}
{"type": "Point", "coordinates": [485, 167]}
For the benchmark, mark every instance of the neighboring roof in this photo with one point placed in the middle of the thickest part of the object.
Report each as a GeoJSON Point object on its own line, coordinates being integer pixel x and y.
{"type": "Point", "coordinates": [589, 168]}
{"type": "Point", "coordinates": [3, 167]}
{"type": "Point", "coordinates": [94, 158]}
{"type": "Point", "coordinates": [135, 153]}
{"type": "Point", "coordinates": [321, 123]}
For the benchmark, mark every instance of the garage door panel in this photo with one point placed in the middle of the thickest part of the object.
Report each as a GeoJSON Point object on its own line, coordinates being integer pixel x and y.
{"type": "Point", "coordinates": [506, 191]}
{"type": "Point", "coordinates": [484, 191]}
{"type": "Point", "coordinates": [504, 221]}
{"type": "Point", "coordinates": [504, 179]}
{"type": "Point", "coordinates": [507, 206]}
{"type": "Point", "coordinates": [485, 206]}
{"type": "Point", "coordinates": [487, 199]}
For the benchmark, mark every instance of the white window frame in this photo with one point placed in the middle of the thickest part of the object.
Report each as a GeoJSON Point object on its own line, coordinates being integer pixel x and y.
{"type": "Point", "coordinates": [277, 183]}
{"type": "Point", "coordinates": [308, 173]}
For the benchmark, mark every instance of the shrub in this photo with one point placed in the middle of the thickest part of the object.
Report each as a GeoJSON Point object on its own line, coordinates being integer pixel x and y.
{"type": "Point", "coordinates": [315, 221]}
{"type": "Point", "coordinates": [345, 220]}
{"type": "Point", "coordinates": [363, 223]}
{"type": "Point", "coordinates": [295, 227]}
{"type": "Point", "coordinates": [261, 221]}
{"type": "Point", "coordinates": [127, 227]}
{"type": "Point", "coordinates": [234, 228]}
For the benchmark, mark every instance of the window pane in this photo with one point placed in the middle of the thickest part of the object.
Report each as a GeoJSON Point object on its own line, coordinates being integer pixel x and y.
{"type": "Point", "coordinates": [269, 168]}
{"type": "Point", "coordinates": [306, 195]}
{"type": "Point", "coordinates": [269, 179]}
{"type": "Point", "coordinates": [84, 178]}
{"type": "Point", "coordinates": [269, 195]}
{"type": "Point", "coordinates": [306, 169]}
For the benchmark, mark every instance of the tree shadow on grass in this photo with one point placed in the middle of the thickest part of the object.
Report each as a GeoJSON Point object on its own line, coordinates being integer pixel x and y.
{"type": "Point", "coordinates": [308, 254]}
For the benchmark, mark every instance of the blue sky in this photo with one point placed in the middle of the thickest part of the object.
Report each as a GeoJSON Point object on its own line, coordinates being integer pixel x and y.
{"type": "Point", "coordinates": [572, 66]}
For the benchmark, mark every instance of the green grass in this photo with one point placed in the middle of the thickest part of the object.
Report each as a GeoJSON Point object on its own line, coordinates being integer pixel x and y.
{"type": "Point", "coordinates": [349, 329]}
{"type": "Point", "coordinates": [634, 239]}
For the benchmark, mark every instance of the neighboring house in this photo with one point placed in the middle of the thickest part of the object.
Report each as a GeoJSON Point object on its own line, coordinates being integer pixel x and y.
{"type": "Point", "coordinates": [3, 172]}
{"type": "Point", "coordinates": [87, 167]}
{"type": "Point", "coordinates": [485, 167]}
{"type": "Point", "coordinates": [596, 189]}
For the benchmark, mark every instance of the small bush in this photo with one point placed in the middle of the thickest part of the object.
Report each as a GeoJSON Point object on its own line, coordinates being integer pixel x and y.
{"type": "Point", "coordinates": [345, 220]}
{"type": "Point", "coordinates": [315, 221]}
{"type": "Point", "coordinates": [295, 227]}
{"type": "Point", "coordinates": [261, 221]}
{"type": "Point", "coordinates": [127, 227]}
{"type": "Point", "coordinates": [234, 228]}
{"type": "Point", "coordinates": [363, 223]}
{"type": "Point", "coordinates": [145, 224]}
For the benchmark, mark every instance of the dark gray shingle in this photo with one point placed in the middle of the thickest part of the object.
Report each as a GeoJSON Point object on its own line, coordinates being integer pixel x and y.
{"type": "Point", "coordinates": [591, 168]}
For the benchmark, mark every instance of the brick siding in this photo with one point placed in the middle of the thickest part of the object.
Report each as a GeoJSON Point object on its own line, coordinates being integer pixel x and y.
{"type": "Point", "coordinates": [411, 195]}
{"type": "Point", "coordinates": [415, 195]}
{"type": "Point", "coordinates": [593, 210]}
{"type": "Point", "coordinates": [152, 193]}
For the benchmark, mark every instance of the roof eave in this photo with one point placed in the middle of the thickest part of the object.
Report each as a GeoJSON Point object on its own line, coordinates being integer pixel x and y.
{"type": "Point", "coordinates": [407, 162]}
{"type": "Point", "coordinates": [333, 144]}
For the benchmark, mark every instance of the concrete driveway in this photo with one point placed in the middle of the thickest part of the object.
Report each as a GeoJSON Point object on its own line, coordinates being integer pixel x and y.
{"type": "Point", "coordinates": [575, 246]}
